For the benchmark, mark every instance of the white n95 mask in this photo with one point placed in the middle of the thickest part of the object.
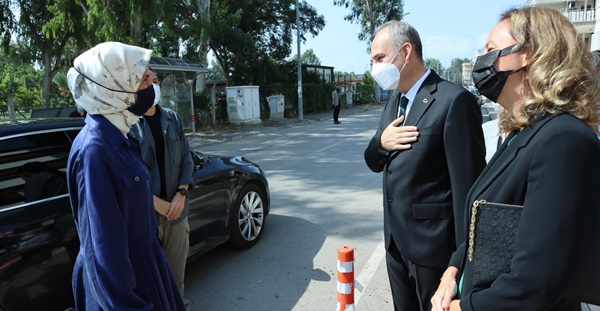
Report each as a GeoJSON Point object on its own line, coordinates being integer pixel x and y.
{"type": "Point", "coordinates": [387, 75]}
{"type": "Point", "coordinates": [156, 93]}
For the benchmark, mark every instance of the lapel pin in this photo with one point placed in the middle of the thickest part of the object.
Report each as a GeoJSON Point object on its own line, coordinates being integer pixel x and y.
{"type": "Point", "coordinates": [424, 100]}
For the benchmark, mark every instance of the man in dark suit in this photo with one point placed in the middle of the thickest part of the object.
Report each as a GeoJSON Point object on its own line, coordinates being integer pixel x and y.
{"type": "Point", "coordinates": [430, 146]}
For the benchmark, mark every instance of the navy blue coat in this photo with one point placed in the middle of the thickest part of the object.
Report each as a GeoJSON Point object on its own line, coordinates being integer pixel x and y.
{"type": "Point", "coordinates": [120, 265]}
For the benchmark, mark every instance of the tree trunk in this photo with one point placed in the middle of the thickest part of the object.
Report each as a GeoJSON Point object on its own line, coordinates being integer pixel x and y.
{"type": "Point", "coordinates": [10, 99]}
{"type": "Point", "coordinates": [11, 107]}
{"type": "Point", "coordinates": [135, 29]}
{"type": "Point", "coordinates": [204, 7]}
{"type": "Point", "coordinates": [47, 80]}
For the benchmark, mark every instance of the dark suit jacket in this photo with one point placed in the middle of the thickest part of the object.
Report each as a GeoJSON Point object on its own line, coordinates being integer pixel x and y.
{"type": "Point", "coordinates": [552, 168]}
{"type": "Point", "coordinates": [425, 187]}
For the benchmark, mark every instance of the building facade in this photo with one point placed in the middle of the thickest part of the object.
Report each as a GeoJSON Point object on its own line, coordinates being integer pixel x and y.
{"type": "Point", "coordinates": [582, 14]}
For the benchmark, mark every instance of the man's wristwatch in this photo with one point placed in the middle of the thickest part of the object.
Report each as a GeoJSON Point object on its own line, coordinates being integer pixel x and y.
{"type": "Point", "coordinates": [183, 191]}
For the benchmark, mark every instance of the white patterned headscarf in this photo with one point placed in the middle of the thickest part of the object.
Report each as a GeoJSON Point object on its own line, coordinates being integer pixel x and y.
{"type": "Point", "coordinates": [104, 79]}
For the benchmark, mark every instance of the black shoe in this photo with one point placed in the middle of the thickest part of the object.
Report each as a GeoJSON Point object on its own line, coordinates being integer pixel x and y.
{"type": "Point", "coordinates": [337, 122]}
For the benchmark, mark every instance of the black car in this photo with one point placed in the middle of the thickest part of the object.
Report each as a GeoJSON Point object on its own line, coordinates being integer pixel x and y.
{"type": "Point", "coordinates": [229, 202]}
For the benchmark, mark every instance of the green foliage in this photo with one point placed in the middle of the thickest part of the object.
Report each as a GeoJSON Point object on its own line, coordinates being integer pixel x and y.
{"type": "Point", "coordinates": [316, 97]}
{"type": "Point", "coordinates": [370, 14]}
{"type": "Point", "coordinates": [215, 72]}
{"type": "Point", "coordinates": [20, 81]}
{"type": "Point", "coordinates": [246, 33]}
{"type": "Point", "coordinates": [364, 91]}
{"type": "Point", "coordinates": [44, 31]}
{"type": "Point", "coordinates": [309, 58]}
{"type": "Point", "coordinates": [60, 94]}
{"type": "Point", "coordinates": [454, 73]}
{"type": "Point", "coordinates": [127, 21]}
{"type": "Point", "coordinates": [435, 65]}
{"type": "Point", "coordinates": [27, 99]}
{"type": "Point", "coordinates": [203, 107]}
{"type": "Point", "coordinates": [8, 24]}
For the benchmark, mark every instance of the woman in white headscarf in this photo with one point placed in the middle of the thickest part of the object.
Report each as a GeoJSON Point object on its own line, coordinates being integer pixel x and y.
{"type": "Point", "coordinates": [120, 265]}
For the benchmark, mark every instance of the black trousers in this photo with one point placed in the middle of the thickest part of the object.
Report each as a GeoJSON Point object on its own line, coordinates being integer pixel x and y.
{"type": "Point", "coordinates": [412, 285]}
{"type": "Point", "coordinates": [336, 113]}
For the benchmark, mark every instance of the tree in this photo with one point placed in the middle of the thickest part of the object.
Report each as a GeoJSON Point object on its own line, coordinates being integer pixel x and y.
{"type": "Point", "coordinates": [127, 21]}
{"type": "Point", "coordinates": [245, 35]}
{"type": "Point", "coordinates": [62, 95]}
{"type": "Point", "coordinates": [215, 72]}
{"type": "Point", "coordinates": [19, 82]}
{"type": "Point", "coordinates": [454, 72]}
{"type": "Point", "coordinates": [45, 29]}
{"type": "Point", "coordinates": [309, 58]}
{"type": "Point", "coordinates": [435, 64]}
{"type": "Point", "coordinates": [8, 24]}
{"type": "Point", "coordinates": [370, 14]}
{"type": "Point", "coordinates": [364, 91]}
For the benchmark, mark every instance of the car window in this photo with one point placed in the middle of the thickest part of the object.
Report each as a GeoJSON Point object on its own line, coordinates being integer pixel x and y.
{"type": "Point", "coordinates": [33, 166]}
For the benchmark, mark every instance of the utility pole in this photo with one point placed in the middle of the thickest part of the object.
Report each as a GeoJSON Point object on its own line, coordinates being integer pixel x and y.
{"type": "Point", "coordinates": [300, 112]}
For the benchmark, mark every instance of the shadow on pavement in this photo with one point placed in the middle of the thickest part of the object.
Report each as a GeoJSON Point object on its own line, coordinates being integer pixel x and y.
{"type": "Point", "coordinates": [272, 275]}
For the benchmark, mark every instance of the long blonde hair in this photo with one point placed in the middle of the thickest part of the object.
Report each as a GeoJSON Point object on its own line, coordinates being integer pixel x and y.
{"type": "Point", "coordinates": [559, 73]}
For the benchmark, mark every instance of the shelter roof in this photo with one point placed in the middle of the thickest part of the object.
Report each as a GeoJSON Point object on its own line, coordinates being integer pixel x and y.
{"type": "Point", "coordinates": [165, 64]}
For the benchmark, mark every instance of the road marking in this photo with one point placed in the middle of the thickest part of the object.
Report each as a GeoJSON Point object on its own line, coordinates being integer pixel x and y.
{"type": "Point", "coordinates": [333, 145]}
{"type": "Point", "coordinates": [368, 271]}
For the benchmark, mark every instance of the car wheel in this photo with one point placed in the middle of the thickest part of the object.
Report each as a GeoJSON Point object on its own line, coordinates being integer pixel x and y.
{"type": "Point", "coordinates": [247, 217]}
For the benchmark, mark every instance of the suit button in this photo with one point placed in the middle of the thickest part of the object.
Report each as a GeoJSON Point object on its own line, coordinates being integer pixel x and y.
{"type": "Point", "coordinates": [390, 199]}
{"type": "Point", "coordinates": [137, 178]}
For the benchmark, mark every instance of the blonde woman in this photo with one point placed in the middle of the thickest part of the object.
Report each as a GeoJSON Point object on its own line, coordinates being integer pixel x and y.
{"type": "Point", "coordinates": [548, 169]}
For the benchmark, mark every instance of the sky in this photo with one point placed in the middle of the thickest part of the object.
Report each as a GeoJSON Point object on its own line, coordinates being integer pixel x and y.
{"type": "Point", "coordinates": [448, 29]}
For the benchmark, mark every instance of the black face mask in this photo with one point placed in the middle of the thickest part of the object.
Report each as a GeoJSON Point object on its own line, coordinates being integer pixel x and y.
{"type": "Point", "coordinates": [145, 100]}
{"type": "Point", "coordinates": [489, 81]}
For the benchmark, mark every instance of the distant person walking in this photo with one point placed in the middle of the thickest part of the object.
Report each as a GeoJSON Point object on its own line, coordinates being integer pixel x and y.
{"type": "Point", "coordinates": [335, 102]}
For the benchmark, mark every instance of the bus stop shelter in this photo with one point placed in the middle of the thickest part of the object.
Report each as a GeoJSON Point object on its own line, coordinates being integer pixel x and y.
{"type": "Point", "coordinates": [176, 79]}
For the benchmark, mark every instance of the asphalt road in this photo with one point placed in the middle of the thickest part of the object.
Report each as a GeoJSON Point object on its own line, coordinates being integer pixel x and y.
{"type": "Point", "coordinates": [323, 197]}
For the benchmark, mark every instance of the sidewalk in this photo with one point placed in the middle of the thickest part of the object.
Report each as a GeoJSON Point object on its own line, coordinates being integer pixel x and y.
{"type": "Point", "coordinates": [206, 136]}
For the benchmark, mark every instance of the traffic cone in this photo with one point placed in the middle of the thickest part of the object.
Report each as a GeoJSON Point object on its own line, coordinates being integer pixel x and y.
{"type": "Point", "coordinates": [345, 279]}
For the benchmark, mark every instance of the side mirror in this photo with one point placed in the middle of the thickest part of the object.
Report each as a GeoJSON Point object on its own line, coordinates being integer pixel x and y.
{"type": "Point", "coordinates": [199, 160]}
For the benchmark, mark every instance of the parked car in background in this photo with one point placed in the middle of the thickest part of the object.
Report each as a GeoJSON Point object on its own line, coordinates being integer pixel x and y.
{"type": "Point", "coordinates": [229, 203]}
{"type": "Point", "coordinates": [481, 100]}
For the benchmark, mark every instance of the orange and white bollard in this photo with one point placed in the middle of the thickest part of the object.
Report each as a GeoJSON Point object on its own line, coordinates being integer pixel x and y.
{"type": "Point", "coordinates": [345, 279]}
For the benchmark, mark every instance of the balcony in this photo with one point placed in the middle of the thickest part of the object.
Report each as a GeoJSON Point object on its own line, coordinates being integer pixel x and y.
{"type": "Point", "coordinates": [581, 16]}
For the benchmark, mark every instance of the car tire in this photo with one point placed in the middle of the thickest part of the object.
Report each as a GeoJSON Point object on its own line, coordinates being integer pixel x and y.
{"type": "Point", "coordinates": [247, 217]}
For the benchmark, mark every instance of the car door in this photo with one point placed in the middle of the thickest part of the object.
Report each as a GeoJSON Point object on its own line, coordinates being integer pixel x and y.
{"type": "Point", "coordinates": [38, 238]}
{"type": "Point", "coordinates": [207, 206]}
